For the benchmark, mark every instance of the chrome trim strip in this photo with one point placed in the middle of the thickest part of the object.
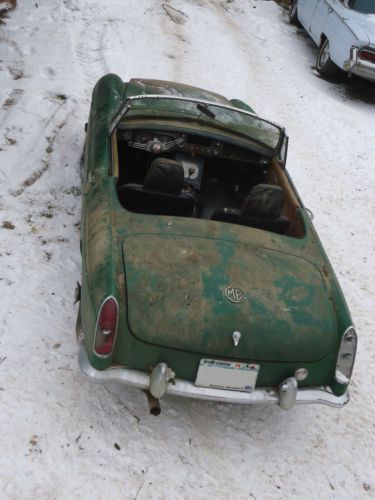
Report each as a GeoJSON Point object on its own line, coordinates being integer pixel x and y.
{"type": "Point", "coordinates": [187, 389]}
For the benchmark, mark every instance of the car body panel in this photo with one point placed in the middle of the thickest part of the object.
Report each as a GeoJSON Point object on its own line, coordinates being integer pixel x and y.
{"type": "Point", "coordinates": [322, 15]}
{"type": "Point", "coordinates": [340, 36]}
{"type": "Point", "coordinates": [306, 9]}
{"type": "Point", "coordinates": [284, 312]}
{"type": "Point", "coordinates": [359, 30]}
{"type": "Point", "coordinates": [362, 25]}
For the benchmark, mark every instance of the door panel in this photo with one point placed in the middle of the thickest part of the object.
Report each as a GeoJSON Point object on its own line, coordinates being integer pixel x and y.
{"type": "Point", "coordinates": [320, 15]}
{"type": "Point", "coordinates": [305, 12]}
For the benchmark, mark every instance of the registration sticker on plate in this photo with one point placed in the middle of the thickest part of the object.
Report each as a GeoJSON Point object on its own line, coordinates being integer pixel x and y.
{"type": "Point", "coordinates": [229, 375]}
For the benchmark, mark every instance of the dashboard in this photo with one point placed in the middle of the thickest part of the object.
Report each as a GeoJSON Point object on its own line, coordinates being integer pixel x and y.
{"type": "Point", "coordinates": [192, 150]}
{"type": "Point", "coordinates": [159, 142]}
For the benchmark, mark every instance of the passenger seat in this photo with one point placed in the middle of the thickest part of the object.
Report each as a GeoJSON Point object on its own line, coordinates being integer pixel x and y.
{"type": "Point", "coordinates": [261, 209]}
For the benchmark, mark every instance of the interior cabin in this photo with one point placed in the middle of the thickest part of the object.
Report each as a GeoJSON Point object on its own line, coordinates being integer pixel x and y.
{"type": "Point", "coordinates": [164, 172]}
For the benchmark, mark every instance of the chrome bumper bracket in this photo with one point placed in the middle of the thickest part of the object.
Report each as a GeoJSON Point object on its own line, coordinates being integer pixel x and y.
{"type": "Point", "coordinates": [288, 391]}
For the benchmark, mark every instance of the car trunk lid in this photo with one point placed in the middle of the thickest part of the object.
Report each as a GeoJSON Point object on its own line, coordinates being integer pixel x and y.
{"type": "Point", "coordinates": [193, 293]}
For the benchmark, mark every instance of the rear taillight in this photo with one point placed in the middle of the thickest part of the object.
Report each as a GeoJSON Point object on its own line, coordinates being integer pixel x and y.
{"type": "Point", "coordinates": [106, 328]}
{"type": "Point", "coordinates": [346, 356]}
{"type": "Point", "coordinates": [367, 55]}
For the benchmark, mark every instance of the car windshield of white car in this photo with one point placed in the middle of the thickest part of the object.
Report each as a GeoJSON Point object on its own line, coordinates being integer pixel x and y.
{"type": "Point", "coordinates": [211, 115]}
{"type": "Point", "coordinates": [364, 6]}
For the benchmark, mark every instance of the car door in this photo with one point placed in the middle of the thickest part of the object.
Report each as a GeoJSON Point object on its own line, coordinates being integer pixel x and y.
{"type": "Point", "coordinates": [305, 12]}
{"type": "Point", "coordinates": [323, 9]}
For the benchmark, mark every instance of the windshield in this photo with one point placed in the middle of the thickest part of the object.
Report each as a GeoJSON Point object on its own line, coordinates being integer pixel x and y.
{"type": "Point", "coordinates": [237, 122]}
{"type": "Point", "coordinates": [364, 6]}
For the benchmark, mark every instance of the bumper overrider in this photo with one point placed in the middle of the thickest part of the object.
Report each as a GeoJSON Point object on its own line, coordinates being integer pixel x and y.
{"type": "Point", "coordinates": [359, 66]}
{"type": "Point", "coordinates": [161, 381]}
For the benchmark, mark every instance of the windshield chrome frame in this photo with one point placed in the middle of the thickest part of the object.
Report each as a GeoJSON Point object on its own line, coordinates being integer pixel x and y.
{"type": "Point", "coordinates": [125, 106]}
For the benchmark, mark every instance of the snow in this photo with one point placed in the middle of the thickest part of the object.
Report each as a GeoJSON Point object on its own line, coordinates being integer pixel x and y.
{"type": "Point", "coordinates": [59, 431]}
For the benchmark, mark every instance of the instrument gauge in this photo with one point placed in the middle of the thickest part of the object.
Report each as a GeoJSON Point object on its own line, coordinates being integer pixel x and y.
{"type": "Point", "coordinates": [144, 138]}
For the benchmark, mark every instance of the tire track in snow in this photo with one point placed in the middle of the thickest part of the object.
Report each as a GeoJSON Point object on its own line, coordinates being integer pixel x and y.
{"type": "Point", "coordinates": [173, 22]}
{"type": "Point", "coordinates": [12, 99]}
{"type": "Point", "coordinates": [13, 66]}
{"type": "Point", "coordinates": [9, 107]}
{"type": "Point", "coordinates": [89, 49]}
{"type": "Point", "coordinates": [51, 136]}
{"type": "Point", "coordinates": [249, 49]}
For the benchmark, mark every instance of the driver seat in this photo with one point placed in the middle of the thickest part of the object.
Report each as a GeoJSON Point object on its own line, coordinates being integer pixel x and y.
{"type": "Point", "coordinates": [161, 192]}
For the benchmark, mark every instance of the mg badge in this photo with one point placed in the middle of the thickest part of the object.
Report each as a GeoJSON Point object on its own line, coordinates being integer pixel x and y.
{"type": "Point", "coordinates": [234, 294]}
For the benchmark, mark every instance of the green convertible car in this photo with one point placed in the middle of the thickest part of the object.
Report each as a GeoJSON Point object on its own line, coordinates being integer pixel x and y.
{"type": "Point", "coordinates": [202, 274]}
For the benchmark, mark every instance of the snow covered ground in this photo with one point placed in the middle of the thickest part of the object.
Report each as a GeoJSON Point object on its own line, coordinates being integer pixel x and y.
{"type": "Point", "coordinates": [60, 436]}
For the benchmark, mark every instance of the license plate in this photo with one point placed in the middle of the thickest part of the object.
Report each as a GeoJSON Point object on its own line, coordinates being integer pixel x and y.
{"type": "Point", "coordinates": [228, 375]}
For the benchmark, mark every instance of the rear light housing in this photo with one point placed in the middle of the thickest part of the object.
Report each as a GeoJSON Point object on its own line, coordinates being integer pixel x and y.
{"type": "Point", "coordinates": [106, 328]}
{"type": "Point", "coordinates": [346, 356]}
{"type": "Point", "coordinates": [367, 55]}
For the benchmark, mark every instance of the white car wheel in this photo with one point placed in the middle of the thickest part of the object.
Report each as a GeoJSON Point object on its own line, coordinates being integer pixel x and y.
{"type": "Point", "coordinates": [324, 64]}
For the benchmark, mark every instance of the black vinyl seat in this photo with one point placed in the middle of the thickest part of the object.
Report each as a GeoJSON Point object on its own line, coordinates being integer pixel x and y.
{"type": "Point", "coordinates": [161, 193]}
{"type": "Point", "coordinates": [261, 209]}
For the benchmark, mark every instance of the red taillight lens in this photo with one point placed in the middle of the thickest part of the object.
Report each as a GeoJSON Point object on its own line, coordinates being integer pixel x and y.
{"type": "Point", "coordinates": [367, 55]}
{"type": "Point", "coordinates": [106, 327]}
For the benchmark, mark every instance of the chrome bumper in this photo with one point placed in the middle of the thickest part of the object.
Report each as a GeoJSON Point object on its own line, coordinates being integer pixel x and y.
{"type": "Point", "coordinates": [359, 67]}
{"type": "Point", "coordinates": [187, 389]}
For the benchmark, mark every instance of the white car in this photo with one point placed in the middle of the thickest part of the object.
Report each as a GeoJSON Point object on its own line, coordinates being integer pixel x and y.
{"type": "Point", "coordinates": [344, 30]}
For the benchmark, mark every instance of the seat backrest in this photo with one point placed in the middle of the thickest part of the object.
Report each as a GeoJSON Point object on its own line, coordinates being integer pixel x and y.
{"type": "Point", "coordinates": [137, 199]}
{"type": "Point", "coordinates": [161, 192]}
{"type": "Point", "coordinates": [261, 209]}
{"type": "Point", "coordinates": [263, 200]}
{"type": "Point", "coordinates": [165, 176]}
